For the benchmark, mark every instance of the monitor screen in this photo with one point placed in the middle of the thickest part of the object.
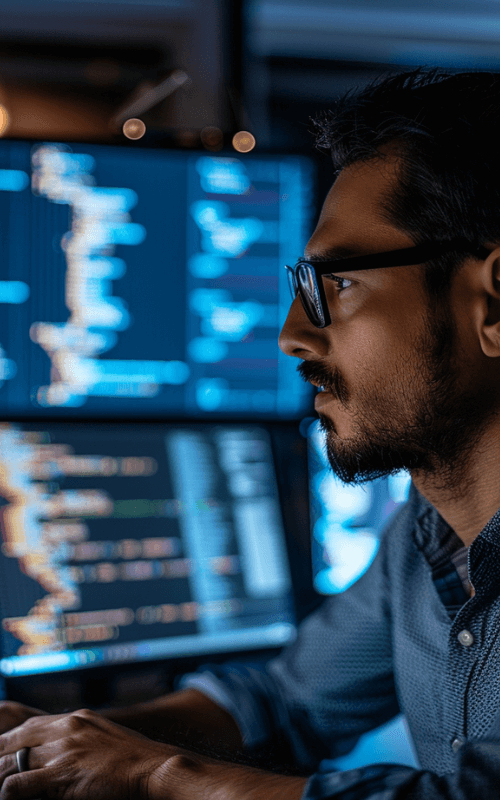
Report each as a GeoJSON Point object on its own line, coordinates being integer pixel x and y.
{"type": "Point", "coordinates": [142, 282]}
{"type": "Point", "coordinates": [346, 520]}
{"type": "Point", "coordinates": [125, 543]}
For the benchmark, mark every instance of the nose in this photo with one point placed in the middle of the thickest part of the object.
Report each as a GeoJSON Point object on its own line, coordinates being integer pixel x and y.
{"type": "Point", "coordinates": [299, 337]}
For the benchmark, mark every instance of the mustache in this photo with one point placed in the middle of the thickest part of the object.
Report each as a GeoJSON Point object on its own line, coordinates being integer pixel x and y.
{"type": "Point", "coordinates": [315, 372]}
{"type": "Point", "coordinates": [318, 373]}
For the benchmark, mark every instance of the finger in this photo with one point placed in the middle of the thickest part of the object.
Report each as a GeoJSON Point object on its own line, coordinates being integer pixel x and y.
{"type": "Point", "coordinates": [13, 714]}
{"type": "Point", "coordinates": [8, 766]}
{"type": "Point", "coordinates": [38, 758]}
{"type": "Point", "coordinates": [18, 738]}
{"type": "Point", "coordinates": [32, 732]}
{"type": "Point", "coordinates": [25, 785]}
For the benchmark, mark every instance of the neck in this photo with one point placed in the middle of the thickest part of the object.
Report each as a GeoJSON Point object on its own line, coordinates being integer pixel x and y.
{"type": "Point", "coordinates": [475, 498]}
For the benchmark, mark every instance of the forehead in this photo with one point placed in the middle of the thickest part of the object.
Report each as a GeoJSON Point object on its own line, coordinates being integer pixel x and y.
{"type": "Point", "coordinates": [353, 218]}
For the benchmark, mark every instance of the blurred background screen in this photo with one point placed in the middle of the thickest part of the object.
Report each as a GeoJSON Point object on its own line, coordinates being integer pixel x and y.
{"type": "Point", "coordinates": [125, 544]}
{"type": "Point", "coordinates": [346, 521]}
{"type": "Point", "coordinates": [139, 282]}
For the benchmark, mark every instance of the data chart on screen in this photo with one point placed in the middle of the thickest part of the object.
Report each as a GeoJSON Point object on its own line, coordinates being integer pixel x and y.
{"type": "Point", "coordinates": [142, 282]}
{"type": "Point", "coordinates": [123, 544]}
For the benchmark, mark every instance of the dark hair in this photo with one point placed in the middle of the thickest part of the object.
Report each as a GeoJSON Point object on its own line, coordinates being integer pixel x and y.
{"type": "Point", "coordinates": [446, 129]}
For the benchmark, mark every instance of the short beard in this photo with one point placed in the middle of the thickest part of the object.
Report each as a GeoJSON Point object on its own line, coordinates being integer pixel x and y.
{"type": "Point", "coordinates": [421, 420]}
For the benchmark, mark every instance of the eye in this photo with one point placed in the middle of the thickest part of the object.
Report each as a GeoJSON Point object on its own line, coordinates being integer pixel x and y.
{"type": "Point", "coordinates": [340, 283]}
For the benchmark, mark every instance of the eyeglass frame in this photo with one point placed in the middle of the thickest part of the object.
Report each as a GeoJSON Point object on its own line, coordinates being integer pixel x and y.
{"type": "Point", "coordinates": [408, 256]}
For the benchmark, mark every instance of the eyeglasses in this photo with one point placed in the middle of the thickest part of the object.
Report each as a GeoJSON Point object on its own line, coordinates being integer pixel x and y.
{"type": "Point", "coordinates": [305, 278]}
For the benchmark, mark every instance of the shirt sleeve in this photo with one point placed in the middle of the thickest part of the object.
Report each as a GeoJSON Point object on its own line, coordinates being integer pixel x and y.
{"type": "Point", "coordinates": [477, 777]}
{"type": "Point", "coordinates": [334, 683]}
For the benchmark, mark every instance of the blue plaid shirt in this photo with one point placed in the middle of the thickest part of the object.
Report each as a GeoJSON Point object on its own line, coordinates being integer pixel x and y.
{"type": "Point", "coordinates": [407, 637]}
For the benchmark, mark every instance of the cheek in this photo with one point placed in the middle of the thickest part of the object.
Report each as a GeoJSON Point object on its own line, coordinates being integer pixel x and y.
{"type": "Point", "coordinates": [376, 332]}
{"type": "Point", "coordinates": [376, 350]}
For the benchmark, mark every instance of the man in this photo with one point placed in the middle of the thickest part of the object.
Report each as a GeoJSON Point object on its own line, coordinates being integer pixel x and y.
{"type": "Point", "coordinates": [405, 349]}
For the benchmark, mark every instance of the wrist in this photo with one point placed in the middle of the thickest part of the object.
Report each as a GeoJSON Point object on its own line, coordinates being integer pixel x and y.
{"type": "Point", "coordinates": [191, 777]}
{"type": "Point", "coordinates": [272, 787]}
{"type": "Point", "coordinates": [182, 776]}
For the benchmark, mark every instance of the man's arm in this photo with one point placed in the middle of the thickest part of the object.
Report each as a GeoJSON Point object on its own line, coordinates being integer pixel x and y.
{"type": "Point", "coordinates": [84, 755]}
{"type": "Point", "coordinates": [187, 717]}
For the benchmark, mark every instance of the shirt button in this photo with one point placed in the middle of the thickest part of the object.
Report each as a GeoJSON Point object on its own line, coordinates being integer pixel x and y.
{"type": "Point", "coordinates": [465, 638]}
{"type": "Point", "coordinates": [456, 744]}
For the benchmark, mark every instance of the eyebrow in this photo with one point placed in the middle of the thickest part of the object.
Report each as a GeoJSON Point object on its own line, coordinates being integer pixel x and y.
{"type": "Point", "coordinates": [334, 254]}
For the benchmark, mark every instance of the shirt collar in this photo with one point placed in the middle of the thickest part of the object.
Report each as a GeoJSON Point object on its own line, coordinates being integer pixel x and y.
{"type": "Point", "coordinates": [438, 541]}
{"type": "Point", "coordinates": [432, 534]}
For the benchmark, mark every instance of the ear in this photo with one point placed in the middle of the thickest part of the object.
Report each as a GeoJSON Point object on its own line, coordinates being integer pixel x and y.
{"type": "Point", "coordinates": [489, 278]}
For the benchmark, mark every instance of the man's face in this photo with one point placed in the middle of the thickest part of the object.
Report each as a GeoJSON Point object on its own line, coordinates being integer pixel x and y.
{"type": "Point", "coordinates": [395, 395]}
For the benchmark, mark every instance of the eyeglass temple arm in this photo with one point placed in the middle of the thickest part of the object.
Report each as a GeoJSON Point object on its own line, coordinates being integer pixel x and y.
{"type": "Point", "coordinates": [397, 258]}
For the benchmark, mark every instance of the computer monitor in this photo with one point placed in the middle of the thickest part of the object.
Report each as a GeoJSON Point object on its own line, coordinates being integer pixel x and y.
{"type": "Point", "coordinates": [144, 282]}
{"type": "Point", "coordinates": [126, 543]}
{"type": "Point", "coordinates": [346, 520]}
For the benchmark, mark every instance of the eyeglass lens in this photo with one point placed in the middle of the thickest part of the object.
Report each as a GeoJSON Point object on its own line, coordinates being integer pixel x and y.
{"type": "Point", "coordinates": [309, 294]}
{"type": "Point", "coordinates": [292, 282]}
{"type": "Point", "coordinates": [302, 281]}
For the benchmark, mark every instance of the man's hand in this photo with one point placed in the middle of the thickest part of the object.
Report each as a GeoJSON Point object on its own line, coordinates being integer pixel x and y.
{"type": "Point", "coordinates": [13, 714]}
{"type": "Point", "coordinates": [79, 755]}
{"type": "Point", "coordinates": [82, 756]}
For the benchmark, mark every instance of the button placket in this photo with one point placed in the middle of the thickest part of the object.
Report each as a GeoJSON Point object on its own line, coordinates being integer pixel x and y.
{"type": "Point", "coordinates": [464, 640]}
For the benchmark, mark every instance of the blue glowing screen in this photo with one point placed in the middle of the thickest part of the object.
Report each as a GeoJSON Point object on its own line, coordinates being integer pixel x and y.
{"type": "Point", "coordinates": [148, 282]}
{"type": "Point", "coordinates": [346, 521]}
{"type": "Point", "coordinates": [130, 542]}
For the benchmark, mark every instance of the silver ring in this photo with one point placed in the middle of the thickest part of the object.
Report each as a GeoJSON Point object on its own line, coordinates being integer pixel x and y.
{"type": "Point", "coordinates": [22, 756]}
